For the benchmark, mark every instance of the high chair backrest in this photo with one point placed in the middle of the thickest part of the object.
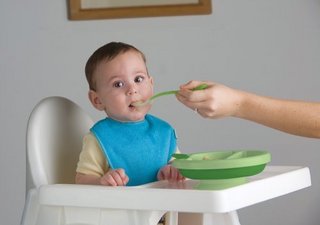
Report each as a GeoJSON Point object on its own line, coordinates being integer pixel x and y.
{"type": "Point", "coordinates": [54, 139]}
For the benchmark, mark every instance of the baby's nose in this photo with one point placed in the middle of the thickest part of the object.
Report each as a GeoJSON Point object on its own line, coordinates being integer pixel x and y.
{"type": "Point", "coordinates": [132, 90]}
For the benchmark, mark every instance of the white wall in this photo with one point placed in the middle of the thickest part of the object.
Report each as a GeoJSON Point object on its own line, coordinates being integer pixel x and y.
{"type": "Point", "coordinates": [267, 47]}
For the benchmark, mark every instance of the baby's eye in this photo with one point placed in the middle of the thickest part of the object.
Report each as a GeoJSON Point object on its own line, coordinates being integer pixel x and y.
{"type": "Point", "coordinates": [139, 79]}
{"type": "Point", "coordinates": [118, 84]}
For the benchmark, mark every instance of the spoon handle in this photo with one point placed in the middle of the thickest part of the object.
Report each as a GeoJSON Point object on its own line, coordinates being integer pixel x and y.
{"type": "Point", "coordinates": [150, 100]}
{"type": "Point", "coordinates": [163, 94]}
{"type": "Point", "coordinates": [199, 87]}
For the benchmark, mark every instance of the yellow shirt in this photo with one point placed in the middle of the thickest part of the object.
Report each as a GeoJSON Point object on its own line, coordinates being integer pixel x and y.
{"type": "Point", "coordinates": [92, 160]}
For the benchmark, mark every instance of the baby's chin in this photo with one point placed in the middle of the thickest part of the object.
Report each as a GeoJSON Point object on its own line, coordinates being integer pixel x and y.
{"type": "Point", "coordinates": [137, 118]}
{"type": "Point", "coordinates": [130, 118]}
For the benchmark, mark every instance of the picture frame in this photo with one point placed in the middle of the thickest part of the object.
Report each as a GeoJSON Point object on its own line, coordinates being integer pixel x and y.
{"type": "Point", "coordinates": [113, 9]}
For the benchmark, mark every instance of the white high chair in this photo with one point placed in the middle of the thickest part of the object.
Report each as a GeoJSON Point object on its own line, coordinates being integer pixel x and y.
{"type": "Point", "coordinates": [54, 140]}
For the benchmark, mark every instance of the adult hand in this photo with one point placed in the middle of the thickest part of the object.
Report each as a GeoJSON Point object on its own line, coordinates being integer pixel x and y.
{"type": "Point", "coordinates": [294, 117]}
{"type": "Point", "coordinates": [213, 102]}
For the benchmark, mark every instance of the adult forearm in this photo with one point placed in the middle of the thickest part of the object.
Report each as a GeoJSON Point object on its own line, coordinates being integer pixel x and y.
{"type": "Point", "coordinates": [294, 117]}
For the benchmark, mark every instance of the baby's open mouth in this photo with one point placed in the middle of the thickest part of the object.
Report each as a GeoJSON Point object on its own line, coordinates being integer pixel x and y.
{"type": "Point", "coordinates": [136, 104]}
{"type": "Point", "coordinates": [140, 103]}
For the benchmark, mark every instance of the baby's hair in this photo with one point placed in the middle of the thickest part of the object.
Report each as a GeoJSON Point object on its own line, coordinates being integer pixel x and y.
{"type": "Point", "coordinates": [106, 53]}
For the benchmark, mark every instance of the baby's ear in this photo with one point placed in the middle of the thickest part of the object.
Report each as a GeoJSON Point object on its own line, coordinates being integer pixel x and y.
{"type": "Point", "coordinates": [95, 100]}
{"type": "Point", "coordinates": [151, 80]}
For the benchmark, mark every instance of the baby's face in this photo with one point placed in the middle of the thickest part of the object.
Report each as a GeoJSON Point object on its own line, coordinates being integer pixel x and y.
{"type": "Point", "coordinates": [121, 82]}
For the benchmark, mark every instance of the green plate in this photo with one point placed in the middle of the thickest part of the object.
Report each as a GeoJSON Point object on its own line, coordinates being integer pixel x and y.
{"type": "Point", "coordinates": [223, 169]}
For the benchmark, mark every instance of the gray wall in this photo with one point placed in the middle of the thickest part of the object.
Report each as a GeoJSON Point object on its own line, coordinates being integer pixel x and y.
{"type": "Point", "coordinates": [268, 47]}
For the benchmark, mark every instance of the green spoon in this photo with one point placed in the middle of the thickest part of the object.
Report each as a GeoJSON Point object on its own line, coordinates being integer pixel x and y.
{"type": "Point", "coordinates": [150, 100]}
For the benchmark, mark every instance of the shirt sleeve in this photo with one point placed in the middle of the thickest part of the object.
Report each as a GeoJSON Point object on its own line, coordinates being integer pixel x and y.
{"type": "Point", "coordinates": [92, 160]}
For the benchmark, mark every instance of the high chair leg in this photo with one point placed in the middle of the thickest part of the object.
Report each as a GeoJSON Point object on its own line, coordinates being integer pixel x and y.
{"type": "Point", "coordinates": [31, 208]}
{"type": "Point", "coordinates": [171, 218]}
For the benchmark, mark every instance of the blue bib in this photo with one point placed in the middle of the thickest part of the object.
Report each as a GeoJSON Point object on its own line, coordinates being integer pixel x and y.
{"type": "Point", "coordinates": [140, 148]}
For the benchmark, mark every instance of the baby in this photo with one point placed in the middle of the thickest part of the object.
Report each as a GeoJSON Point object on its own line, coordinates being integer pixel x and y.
{"type": "Point", "coordinates": [129, 146]}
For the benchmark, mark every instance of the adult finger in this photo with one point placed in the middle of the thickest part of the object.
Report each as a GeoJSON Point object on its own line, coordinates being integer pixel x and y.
{"type": "Point", "coordinates": [191, 84]}
{"type": "Point", "coordinates": [191, 104]}
{"type": "Point", "coordinates": [193, 96]}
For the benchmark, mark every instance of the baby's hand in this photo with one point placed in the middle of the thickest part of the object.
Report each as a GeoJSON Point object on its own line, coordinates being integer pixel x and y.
{"type": "Point", "coordinates": [116, 177]}
{"type": "Point", "coordinates": [170, 173]}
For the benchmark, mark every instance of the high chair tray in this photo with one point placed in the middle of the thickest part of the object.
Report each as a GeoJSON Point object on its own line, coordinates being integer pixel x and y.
{"type": "Point", "coordinates": [273, 182]}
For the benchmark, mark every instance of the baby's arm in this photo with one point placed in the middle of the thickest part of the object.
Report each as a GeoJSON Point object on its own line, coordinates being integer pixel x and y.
{"type": "Point", "coordinates": [87, 179]}
{"type": "Point", "coordinates": [116, 177]}
{"type": "Point", "coordinates": [92, 167]}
